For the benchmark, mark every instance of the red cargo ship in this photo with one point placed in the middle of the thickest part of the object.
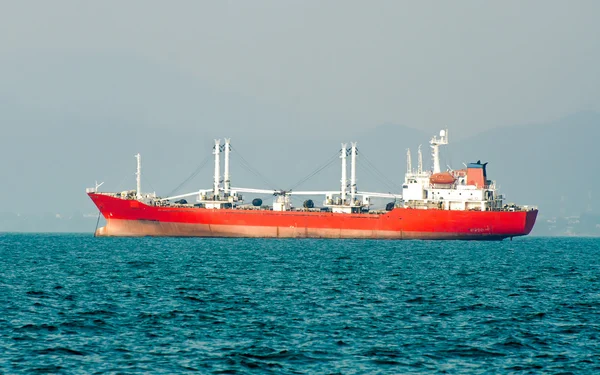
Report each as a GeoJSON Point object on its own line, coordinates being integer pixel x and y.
{"type": "Point", "coordinates": [462, 205]}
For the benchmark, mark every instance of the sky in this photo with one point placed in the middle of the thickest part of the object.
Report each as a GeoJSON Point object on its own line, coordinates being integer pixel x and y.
{"type": "Point", "coordinates": [86, 85]}
{"type": "Point", "coordinates": [339, 66]}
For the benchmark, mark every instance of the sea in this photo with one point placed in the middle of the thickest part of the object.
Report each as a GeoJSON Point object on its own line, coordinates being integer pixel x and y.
{"type": "Point", "coordinates": [75, 304]}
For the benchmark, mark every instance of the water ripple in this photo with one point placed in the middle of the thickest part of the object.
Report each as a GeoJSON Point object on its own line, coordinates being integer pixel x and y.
{"type": "Point", "coordinates": [78, 304]}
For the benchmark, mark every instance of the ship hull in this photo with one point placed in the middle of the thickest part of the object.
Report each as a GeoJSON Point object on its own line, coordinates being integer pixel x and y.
{"type": "Point", "coordinates": [133, 218]}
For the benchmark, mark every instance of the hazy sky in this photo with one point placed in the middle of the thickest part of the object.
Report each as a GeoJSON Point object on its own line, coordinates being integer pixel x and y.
{"type": "Point", "coordinates": [467, 65]}
{"type": "Point", "coordinates": [85, 85]}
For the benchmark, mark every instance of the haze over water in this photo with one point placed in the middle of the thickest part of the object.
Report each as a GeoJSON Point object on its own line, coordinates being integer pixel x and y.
{"type": "Point", "coordinates": [78, 304]}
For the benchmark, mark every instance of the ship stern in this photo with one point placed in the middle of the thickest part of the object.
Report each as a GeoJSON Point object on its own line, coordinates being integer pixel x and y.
{"type": "Point", "coordinates": [530, 219]}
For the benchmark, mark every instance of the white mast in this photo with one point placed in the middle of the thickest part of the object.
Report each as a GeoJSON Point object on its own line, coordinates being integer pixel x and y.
{"type": "Point", "coordinates": [344, 170]}
{"type": "Point", "coordinates": [420, 161]}
{"type": "Point", "coordinates": [435, 149]}
{"type": "Point", "coordinates": [217, 151]}
{"type": "Point", "coordinates": [353, 173]}
{"type": "Point", "coordinates": [408, 161]}
{"type": "Point", "coordinates": [138, 177]}
{"type": "Point", "coordinates": [226, 177]}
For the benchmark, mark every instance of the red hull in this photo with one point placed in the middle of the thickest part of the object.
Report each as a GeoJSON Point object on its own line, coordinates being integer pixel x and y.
{"type": "Point", "coordinates": [133, 218]}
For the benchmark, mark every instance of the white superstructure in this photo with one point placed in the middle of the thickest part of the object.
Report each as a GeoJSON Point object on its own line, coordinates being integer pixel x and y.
{"type": "Point", "coordinates": [466, 189]}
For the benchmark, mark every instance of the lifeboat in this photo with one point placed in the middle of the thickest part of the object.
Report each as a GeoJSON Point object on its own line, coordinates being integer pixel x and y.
{"type": "Point", "coordinates": [443, 178]}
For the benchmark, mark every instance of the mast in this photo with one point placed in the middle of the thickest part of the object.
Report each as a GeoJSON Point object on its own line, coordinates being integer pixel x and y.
{"type": "Point", "coordinates": [344, 170]}
{"type": "Point", "coordinates": [217, 151]}
{"type": "Point", "coordinates": [138, 177]}
{"type": "Point", "coordinates": [408, 161]}
{"type": "Point", "coordinates": [420, 161]}
{"type": "Point", "coordinates": [227, 177]}
{"type": "Point", "coordinates": [435, 155]}
{"type": "Point", "coordinates": [353, 173]}
{"type": "Point", "coordinates": [435, 149]}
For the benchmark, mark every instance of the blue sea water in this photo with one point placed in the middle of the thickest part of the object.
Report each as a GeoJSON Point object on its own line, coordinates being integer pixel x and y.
{"type": "Point", "coordinates": [76, 304]}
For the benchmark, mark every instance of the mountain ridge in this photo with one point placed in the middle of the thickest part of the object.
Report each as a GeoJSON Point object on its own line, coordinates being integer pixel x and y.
{"type": "Point", "coordinates": [60, 139]}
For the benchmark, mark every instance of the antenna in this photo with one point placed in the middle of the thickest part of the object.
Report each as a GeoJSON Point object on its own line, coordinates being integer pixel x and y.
{"type": "Point", "coordinates": [138, 177]}
{"type": "Point", "coordinates": [408, 161]}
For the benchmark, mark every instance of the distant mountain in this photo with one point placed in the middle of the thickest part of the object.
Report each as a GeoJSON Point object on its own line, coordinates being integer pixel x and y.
{"type": "Point", "coordinates": [69, 122]}
{"type": "Point", "coordinates": [550, 165]}
{"type": "Point", "coordinates": [546, 165]}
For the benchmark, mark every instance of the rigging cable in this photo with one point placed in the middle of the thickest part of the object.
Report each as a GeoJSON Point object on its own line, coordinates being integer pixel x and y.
{"type": "Point", "coordinates": [378, 178]}
{"type": "Point", "coordinates": [252, 170]}
{"type": "Point", "coordinates": [316, 171]}
{"type": "Point", "coordinates": [148, 182]}
{"type": "Point", "coordinates": [381, 174]}
{"type": "Point", "coordinates": [191, 176]}
{"type": "Point", "coordinates": [123, 180]}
